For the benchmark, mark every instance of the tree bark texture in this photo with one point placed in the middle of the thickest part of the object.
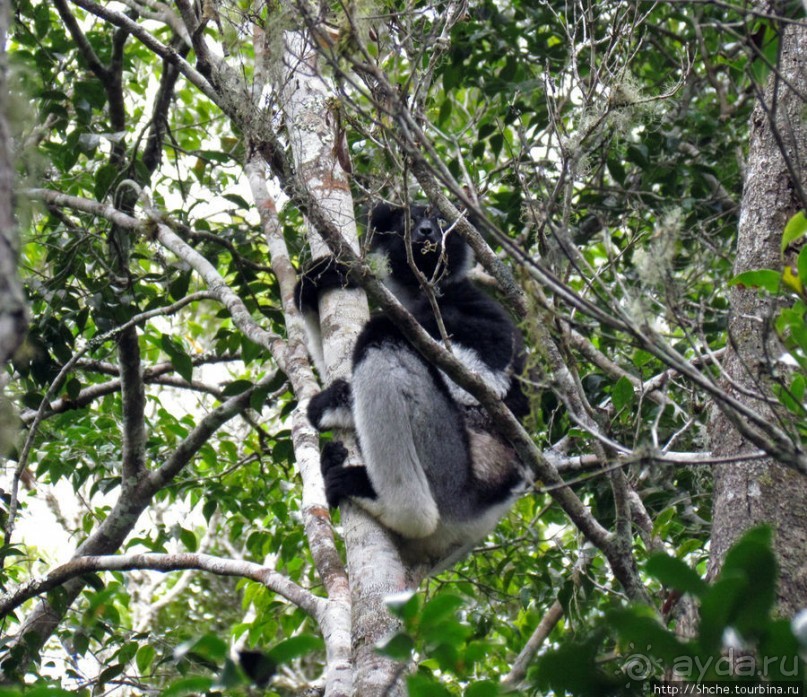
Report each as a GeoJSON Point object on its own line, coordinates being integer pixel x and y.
{"type": "Point", "coordinates": [751, 493]}
{"type": "Point", "coordinates": [13, 318]}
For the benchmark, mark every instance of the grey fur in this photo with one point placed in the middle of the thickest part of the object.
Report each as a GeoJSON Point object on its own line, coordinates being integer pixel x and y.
{"type": "Point", "coordinates": [422, 459]}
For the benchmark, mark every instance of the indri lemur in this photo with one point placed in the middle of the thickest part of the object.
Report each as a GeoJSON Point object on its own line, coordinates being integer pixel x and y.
{"type": "Point", "coordinates": [434, 473]}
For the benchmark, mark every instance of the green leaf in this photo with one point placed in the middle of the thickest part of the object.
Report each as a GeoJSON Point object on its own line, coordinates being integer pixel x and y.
{"type": "Point", "coordinates": [405, 606]}
{"type": "Point", "coordinates": [798, 387]}
{"type": "Point", "coordinates": [801, 264]}
{"type": "Point", "coordinates": [617, 170]}
{"type": "Point", "coordinates": [635, 626]}
{"type": "Point", "coordinates": [144, 658]}
{"type": "Point", "coordinates": [674, 573]}
{"type": "Point", "coordinates": [768, 57]}
{"type": "Point", "coordinates": [181, 361]}
{"type": "Point", "coordinates": [295, 647]}
{"type": "Point", "coordinates": [229, 676]}
{"type": "Point", "coordinates": [73, 388]}
{"type": "Point", "coordinates": [183, 364]}
{"type": "Point", "coordinates": [257, 399]}
{"type": "Point", "coordinates": [188, 539]}
{"type": "Point", "coordinates": [237, 387]}
{"type": "Point", "coordinates": [209, 647]}
{"type": "Point", "coordinates": [127, 652]}
{"type": "Point", "coordinates": [622, 394]}
{"type": "Point", "coordinates": [745, 593]}
{"type": "Point", "coordinates": [11, 551]}
{"type": "Point", "coordinates": [110, 673]}
{"type": "Point", "coordinates": [753, 560]}
{"type": "Point", "coordinates": [796, 227]}
{"type": "Point", "coordinates": [717, 606]}
{"type": "Point", "coordinates": [421, 685]}
{"type": "Point", "coordinates": [104, 177]}
{"type": "Point", "coordinates": [482, 688]}
{"type": "Point", "coordinates": [237, 200]}
{"type": "Point", "coordinates": [445, 111]}
{"type": "Point", "coordinates": [209, 508]}
{"type": "Point", "coordinates": [193, 685]}
{"type": "Point", "coordinates": [572, 668]}
{"type": "Point", "coordinates": [440, 608]}
{"type": "Point", "coordinates": [178, 288]}
{"type": "Point", "coordinates": [767, 279]}
{"type": "Point", "coordinates": [400, 647]}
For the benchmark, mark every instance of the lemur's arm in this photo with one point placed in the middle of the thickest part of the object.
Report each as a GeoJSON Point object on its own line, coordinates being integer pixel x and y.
{"type": "Point", "coordinates": [321, 275]}
{"type": "Point", "coordinates": [331, 408]}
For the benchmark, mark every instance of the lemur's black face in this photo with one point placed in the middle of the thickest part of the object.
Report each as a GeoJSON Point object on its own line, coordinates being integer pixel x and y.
{"type": "Point", "coordinates": [436, 250]}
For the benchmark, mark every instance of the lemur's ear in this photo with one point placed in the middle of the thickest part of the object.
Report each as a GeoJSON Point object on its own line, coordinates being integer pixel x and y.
{"type": "Point", "coordinates": [385, 218]}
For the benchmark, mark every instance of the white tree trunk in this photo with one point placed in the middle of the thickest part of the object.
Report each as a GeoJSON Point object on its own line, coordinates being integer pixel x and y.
{"type": "Point", "coordinates": [375, 568]}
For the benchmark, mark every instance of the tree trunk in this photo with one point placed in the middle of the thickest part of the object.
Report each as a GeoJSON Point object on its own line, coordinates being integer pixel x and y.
{"type": "Point", "coordinates": [375, 568]}
{"type": "Point", "coordinates": [13, 319]}
{"type": "Point", "coordinates": [751, 493]}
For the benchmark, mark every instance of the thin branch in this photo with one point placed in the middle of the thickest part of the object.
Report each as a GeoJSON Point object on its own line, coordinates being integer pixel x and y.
{"type": "Point", "coordinates": [58, 381]}
{"type": "Point", "coordinates": [273, 343]}
{"type": "Point", "coordinates": [84, 47]}
{"type": "Point", "coordinates": [146, 38]}
{"type": "Point", "coordinates": [93, 392]}
{"type": "Point", "coordinates": [80, 566]}
{"type": "Point", "coordinates": [84, 205]}
{"type": "Point", "coordinates": [566, 464]}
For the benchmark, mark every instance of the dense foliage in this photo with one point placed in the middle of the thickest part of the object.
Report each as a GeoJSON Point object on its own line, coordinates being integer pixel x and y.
{"type": "Point", "coordinates": [604, 141]}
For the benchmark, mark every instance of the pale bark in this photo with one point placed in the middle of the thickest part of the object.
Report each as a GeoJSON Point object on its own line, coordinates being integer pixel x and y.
{"type": "Point", "coordinates": [749, 493]}
{"type": "Point", "coordinates": [334, 619]}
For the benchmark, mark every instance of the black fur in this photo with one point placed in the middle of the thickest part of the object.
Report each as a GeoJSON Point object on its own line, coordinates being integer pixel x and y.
{"type": "Point", "coordinates": [341, 481]}
{"type": "Point", "coordinates": [321, 275]}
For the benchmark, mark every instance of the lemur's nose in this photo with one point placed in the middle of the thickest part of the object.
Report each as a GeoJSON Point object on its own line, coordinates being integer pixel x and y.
{"type": "Point", "coordinates": [425, 231]}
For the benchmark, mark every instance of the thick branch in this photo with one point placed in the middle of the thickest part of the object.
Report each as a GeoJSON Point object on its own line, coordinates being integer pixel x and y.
{"type": "Point", "coordinates": [133, 408]}
{"type": "Point", "coordinates": [84, 47]}
{"type": "Point", "coordinates": [162, 103]}
{"type": "Point", "coordinates": [13, 314]}
{"type": "Point", "coordinates": [94, 392]}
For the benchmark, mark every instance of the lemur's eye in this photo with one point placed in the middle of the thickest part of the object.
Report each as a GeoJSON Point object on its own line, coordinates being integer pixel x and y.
{"type": "Point", "coordinates": [442, 222]}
